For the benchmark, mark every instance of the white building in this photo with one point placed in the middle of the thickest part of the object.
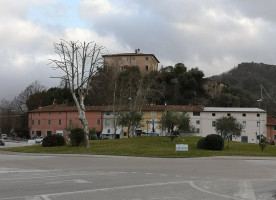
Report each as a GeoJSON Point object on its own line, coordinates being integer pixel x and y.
{"type": "Point", "coordinates": [253, 120]}
{"type": "Point", "coordinates": [109, 127]}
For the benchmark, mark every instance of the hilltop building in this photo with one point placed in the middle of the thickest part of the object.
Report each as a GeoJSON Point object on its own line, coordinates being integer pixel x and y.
{"type": "Point", "coordinates": [145, 62]}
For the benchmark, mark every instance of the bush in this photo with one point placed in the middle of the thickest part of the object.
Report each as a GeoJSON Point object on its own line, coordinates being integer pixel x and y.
{"type": "Point", "coordinates": [53, 141]}
{"type": "Point", "coordinates": [214, 142]}
{"type": "Point", "coordinates": [201, 144]}
{"type": "Point", "coordinates": [93, 134]}
{"type": "Point", "coordinates": [76, 136]}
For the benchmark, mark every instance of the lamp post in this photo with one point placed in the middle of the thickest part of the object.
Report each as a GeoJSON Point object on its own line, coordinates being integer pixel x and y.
{"type": "Point", "coordinates": [259, 100]}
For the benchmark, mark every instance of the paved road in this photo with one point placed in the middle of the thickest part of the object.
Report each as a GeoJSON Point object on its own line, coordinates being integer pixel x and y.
{"type": "Point", "coordinates": [60, 177]}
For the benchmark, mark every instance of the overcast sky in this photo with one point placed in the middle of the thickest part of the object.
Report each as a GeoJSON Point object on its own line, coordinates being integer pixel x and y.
{"type": "Point", "coordinates": [213, 35]}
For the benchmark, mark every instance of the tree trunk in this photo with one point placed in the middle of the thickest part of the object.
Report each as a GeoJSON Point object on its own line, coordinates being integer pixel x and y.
{"type": "Point", "coordinates": [82, 118]}
{"type": "Point", "coordinates": [86, 128]}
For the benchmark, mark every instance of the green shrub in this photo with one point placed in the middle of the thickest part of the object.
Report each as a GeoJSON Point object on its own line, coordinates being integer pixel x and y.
{"type": "Point", "coordinates": [214, 142]}
{"type": "Point", "coordinates": [76, 136]}
{"type": "Point", "coordinates": [201, 144]}
{"type": "Point", "coordinates": [93, 134]}
{"type": "Point", "coordinates": [53, 141]}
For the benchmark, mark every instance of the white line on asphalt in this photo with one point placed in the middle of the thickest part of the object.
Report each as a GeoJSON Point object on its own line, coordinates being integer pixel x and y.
{"type": "Point", "coordinates": [41, 177]}
{"type": "Point", "coordinates": [246, 190]}
{"type": "Point", "coordinates": [101, 189]}
{"type": "Point", "coordinates": [221, 195]}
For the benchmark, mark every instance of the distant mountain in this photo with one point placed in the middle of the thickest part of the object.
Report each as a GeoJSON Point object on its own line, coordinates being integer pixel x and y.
{"type": "Point", "coordinates": [249, 77]}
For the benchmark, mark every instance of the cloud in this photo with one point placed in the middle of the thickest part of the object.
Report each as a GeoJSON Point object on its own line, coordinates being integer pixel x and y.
{"type": "Point", "coordinates": [213, 35]}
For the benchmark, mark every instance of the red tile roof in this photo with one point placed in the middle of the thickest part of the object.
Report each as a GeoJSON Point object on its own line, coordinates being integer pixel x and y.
{"type": "Point", "coordinates": [183, 108]}
{"type": "Point", "coordinates": [130, 54]}
{"type": "Point", "coordinates": [66, 108]}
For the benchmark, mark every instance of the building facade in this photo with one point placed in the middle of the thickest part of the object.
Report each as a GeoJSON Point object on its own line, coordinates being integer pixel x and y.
{"type": "Point", "coordinates": [145, 62]}
{"type": "Point", "coordinates": [271, 129]}
{"type": "Point", "coordinates": [252, 119]}
{"type": "Point", "coordinates": [58, 119]}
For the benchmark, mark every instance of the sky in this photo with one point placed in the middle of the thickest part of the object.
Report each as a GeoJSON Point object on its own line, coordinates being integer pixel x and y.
{"type": "Point", "coordinates": [213, 35]}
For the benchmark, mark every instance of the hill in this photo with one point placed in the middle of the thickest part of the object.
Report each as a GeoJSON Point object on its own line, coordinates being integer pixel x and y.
{"type": "Point", "coordinates": [255, 79]}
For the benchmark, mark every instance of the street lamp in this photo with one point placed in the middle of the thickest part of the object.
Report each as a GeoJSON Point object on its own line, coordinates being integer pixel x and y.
{"type": "Point", "coordinates": [259, 100]}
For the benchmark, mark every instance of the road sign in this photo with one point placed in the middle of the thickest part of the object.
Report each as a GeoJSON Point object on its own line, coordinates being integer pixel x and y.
{"type": "Point", "coordinates": [181, 147]}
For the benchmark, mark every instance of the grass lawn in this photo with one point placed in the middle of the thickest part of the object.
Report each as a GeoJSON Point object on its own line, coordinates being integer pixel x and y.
{"type": "Point", "coordinates": [152, 146]}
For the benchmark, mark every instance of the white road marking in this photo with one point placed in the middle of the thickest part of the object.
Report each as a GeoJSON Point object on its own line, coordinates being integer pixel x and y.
{"type": "Point", "coordinates": [101, 189]}
{"type": "Point", "coordinates": [246, 190]}
{"type": "Point", "coordinates": [69, 181]}
{"type": "Point", "coordinates": [221, 195]}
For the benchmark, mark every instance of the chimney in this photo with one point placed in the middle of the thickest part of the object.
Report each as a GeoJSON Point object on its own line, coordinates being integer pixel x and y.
{"type": "Point", "coordinates": [137, 51]}
{"type": "Point", "coordinates": [55, 102]}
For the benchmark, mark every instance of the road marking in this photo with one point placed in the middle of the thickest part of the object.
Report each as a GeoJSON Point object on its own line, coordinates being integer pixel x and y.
{"type": "Point", "coordinates": [99, 189]}
{"type": "Point", "coordinates": [221, 195]}
{"type": "Point", "coordinates": [64, 175]}
{"type": "Point", "coordinates": [246, 190]}
{"type": "Point", "coordinates": [68, 181]}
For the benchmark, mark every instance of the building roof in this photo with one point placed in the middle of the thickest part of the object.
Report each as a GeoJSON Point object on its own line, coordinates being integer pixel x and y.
{"type": "Point", "coordinates": [184, 108]}
{"type": "Point", "coordinates": [66, 108]}
{"type": "Point", "coordinates": [130, 54]}
{"type": "Point", "coordinates": [231, 109]}
{"type": "Point", "coordinates": [271, 121]}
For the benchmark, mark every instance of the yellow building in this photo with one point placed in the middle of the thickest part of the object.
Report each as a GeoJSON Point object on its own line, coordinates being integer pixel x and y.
{"type": "Point", "coordinates": [145, 62]}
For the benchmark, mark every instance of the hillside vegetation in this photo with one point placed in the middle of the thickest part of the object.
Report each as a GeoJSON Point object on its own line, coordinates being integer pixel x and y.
{"type": "Point", "coordinates": [248, 77]}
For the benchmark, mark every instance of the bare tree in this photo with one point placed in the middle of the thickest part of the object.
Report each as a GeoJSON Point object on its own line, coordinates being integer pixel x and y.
{"type": "Point", "coordinates": [19, 102]}
{"type": "Point", "coordinates": [79, 63]}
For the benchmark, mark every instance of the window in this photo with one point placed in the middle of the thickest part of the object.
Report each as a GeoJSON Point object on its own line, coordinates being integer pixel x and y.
{"type": "Point", "coordinates": [258, 115]}
{"type": "Point", "coordinates": [121, 68]}
{"type": "Point", "coordinates": [213, 123]}
{"type": "Point", "coordinates": [258, 123]}
{"type": "Point", "coordinates": [38, 122]}
{"type": "Point", "coordinates": [197, 122]}
{"type": "Point", "coordinates": [49, 113]}
{"type": "Point", "coordinates": [197, 130]}
{"type": "Point", "coordinates": [32, 122]}
{"type": "Point", "coordinates": [70, 121]}
{"type": "Point", "coordinates": [125, 134]}
{"type": "Point", "coordinates": [196, 113]}
{"type": "Point", "coordinates": [244, 114]}
{"type": "Point", "coordinates": [99, 122]}
{"type": "Point", "coordinates": [244, 139]}
{"type": "Point", "coordinates": [244, 124]}
{"type": "Point", "coordinates": [133, 58]}
{"type": "Point", "coordinates": [49, 133]}
{"type": "Point", "coordinates": [274, 127]}
{"type": "Point", "coordinates": [147, 58]}
{"type": "Point", "coordinates": [49, 122]}
{"type": "Point", "coordinates": [147, 68]}
{"type": "Point", "coordinates": [107, 113]}
{"type": "Point", "coordinates": [126, 58]}
{"type": "Point", "coordinates": [108, 130]}
{"type": "Point", "coordinates": [228, 114]}
{"type": "Point", "coordinates": [59, 122]}
{"type": "Point", "coordinates": [107, 122]}
{"type": "Point", "coordinates": [213, 114]}
{"type": "Point", "coordinates": [274, 137]}
{"type": "Point", "coordinates": [153, 113]}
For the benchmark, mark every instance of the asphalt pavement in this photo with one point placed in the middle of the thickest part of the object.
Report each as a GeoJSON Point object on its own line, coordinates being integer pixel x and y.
{"type": "Point", "coordinates": [60, 177]}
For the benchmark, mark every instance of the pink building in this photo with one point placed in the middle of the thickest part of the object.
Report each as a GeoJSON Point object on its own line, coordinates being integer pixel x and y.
{"type": "Point", "coordinates": [57, 119]}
